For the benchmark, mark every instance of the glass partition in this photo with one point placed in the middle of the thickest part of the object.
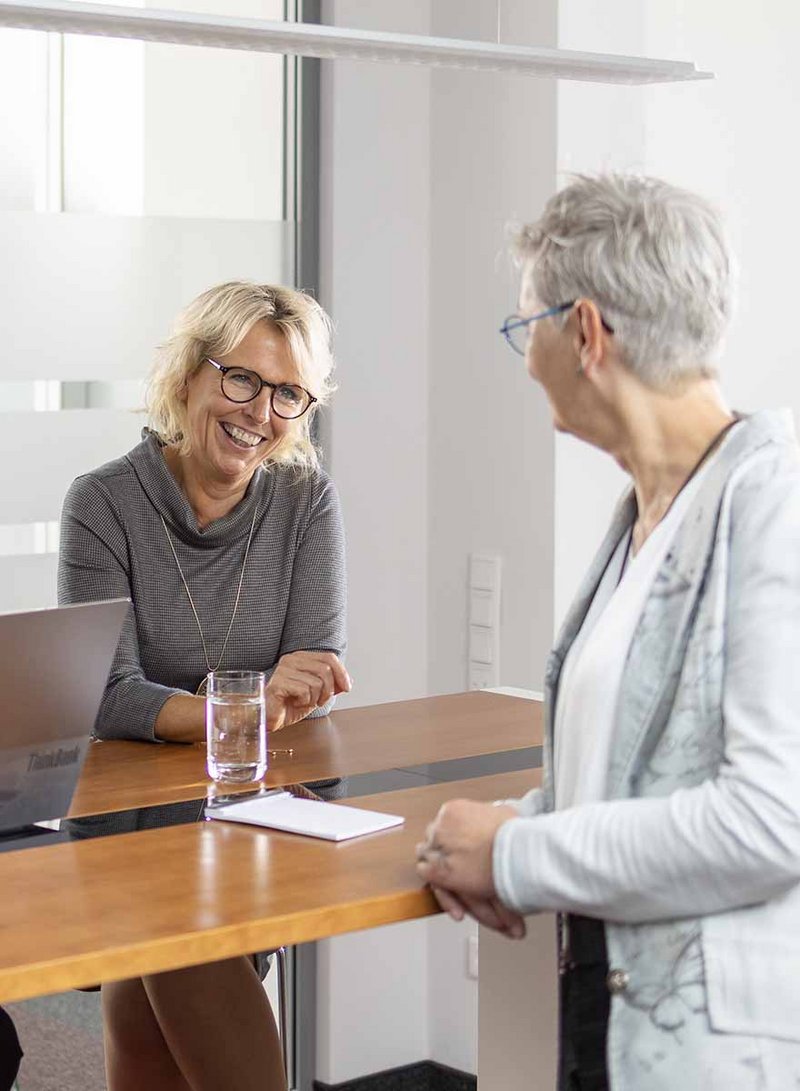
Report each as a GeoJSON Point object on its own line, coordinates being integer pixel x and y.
{"type": "Point", "coordinates": [132, 176]}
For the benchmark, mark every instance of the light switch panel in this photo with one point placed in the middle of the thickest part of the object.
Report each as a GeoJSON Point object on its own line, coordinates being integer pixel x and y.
{"type": "Point", "coordinates": [483, 620]}
{"type": "Point", "coordinates": [481, 645]}
{"type": "Point", "coordinates": [482, 608]}
{"type": "Point", "coordinates": [484, 572]}
{"type": "Point", "coordinates": [481, 677]}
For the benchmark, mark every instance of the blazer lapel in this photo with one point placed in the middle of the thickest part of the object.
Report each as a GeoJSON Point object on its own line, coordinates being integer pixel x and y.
{"type": "Point", "coordinates": [656, 654]}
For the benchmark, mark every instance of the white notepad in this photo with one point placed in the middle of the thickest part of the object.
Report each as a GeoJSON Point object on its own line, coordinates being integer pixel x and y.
{"type": "Point", "coordinates": [311, 817]}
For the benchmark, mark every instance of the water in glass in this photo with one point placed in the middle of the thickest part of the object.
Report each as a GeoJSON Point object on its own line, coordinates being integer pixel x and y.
{"type": "Point", "coordinates": [236, 736]}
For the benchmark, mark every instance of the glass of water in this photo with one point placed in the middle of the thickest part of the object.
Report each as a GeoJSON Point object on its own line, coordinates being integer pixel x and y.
{"type": "Point", "coordinates": [236, 726]}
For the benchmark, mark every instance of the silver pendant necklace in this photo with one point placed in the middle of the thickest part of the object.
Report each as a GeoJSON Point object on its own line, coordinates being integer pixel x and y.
{"type": "Point", "coordinates": [201, 689]}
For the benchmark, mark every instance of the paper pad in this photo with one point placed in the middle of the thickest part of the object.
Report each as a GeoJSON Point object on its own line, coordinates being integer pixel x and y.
{"type": "Point", "coordinates": [311, 817]}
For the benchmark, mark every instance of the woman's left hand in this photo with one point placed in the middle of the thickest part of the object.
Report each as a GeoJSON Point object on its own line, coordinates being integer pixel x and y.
{"type": "Point", "coordinates": [456, 854]}
{"type": "Point", "coordinates": [301, 682]}
{"type": "Point", "coordinates": [490, 912]}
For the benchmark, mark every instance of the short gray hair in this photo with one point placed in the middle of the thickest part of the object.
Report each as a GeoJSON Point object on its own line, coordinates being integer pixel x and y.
{"type": "Point", "coordinates": [655, 260]}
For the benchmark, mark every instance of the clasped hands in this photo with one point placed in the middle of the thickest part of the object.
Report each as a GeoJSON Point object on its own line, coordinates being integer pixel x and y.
{"type": "Point", "coordinates": [301, 682]}
{"type": "Point", "coordinates": [456, 860]}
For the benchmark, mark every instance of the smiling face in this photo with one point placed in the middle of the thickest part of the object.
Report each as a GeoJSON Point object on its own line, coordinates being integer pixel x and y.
{"type": "Point", "coordinates": [229, 440]}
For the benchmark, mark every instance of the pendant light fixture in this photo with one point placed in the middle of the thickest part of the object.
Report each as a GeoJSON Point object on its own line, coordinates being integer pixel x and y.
{"type": "Point", "coordinates": [327, 42]}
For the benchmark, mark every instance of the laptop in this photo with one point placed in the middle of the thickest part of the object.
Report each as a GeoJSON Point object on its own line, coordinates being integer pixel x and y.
{"type": "Point", "coordinates": [54, 665]}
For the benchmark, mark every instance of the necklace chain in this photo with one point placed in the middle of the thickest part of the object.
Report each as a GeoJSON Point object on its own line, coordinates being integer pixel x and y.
{"type": "Point", "coordinates": [191, 600]}
{"type": "Point", "coordinates": [715, 442]}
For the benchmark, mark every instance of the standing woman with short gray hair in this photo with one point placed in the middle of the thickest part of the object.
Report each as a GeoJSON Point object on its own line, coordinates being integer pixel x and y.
{"type": "Point", "coordinates": [667, 832]}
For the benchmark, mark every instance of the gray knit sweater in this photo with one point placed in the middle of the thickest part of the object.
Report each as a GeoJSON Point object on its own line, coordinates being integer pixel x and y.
{"type": "Point", "coordinates": [113, 544]}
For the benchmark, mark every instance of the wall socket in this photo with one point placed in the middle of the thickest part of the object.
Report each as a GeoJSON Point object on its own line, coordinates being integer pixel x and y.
{"type": "Point", "coordinates": [472, 957]}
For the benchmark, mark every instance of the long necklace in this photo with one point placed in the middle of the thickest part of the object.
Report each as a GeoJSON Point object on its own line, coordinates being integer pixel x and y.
{"type": "Point", "coordinates": [201, 689]}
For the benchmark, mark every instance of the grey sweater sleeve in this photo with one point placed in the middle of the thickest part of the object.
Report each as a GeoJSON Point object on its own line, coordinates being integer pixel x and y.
{"type": "Point", "coordinates": [93, 564]}
{"type": "Point", "coordinates": [315, 619]}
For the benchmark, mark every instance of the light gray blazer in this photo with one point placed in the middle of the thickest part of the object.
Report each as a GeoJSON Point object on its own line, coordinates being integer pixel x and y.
{"type": "Point", "coordinates": [693, 861]}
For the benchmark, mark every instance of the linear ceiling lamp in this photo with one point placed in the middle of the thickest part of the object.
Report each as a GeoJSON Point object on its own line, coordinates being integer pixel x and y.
{"type": "Point", "coordinates": [309, 40]}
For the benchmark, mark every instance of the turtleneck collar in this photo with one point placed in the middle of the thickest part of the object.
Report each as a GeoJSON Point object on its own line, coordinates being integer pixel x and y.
{"type": "Point", "coordinates": [164, 493]}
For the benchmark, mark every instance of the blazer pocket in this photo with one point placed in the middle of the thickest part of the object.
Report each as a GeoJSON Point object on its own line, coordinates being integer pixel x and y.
{"type": "Point", "coordinates": [752, 986]}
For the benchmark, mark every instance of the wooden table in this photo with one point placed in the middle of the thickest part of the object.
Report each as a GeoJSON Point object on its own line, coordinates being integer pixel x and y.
{"type": "Point", "coordinates": [122, 775]}
{"type": "Point", "coordinates": [100, 910]}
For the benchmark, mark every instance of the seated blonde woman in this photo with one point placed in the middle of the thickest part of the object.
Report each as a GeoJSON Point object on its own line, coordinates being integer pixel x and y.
{"type": "Point", "coordinates": [227, 536]}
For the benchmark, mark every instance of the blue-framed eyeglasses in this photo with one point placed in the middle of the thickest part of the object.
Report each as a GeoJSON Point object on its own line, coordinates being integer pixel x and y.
{"type": "Point", "coordinates": [515, 329]}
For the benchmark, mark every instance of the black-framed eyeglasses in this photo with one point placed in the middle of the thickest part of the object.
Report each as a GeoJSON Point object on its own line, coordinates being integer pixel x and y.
{"type": "Point", "coordinates": [515, 329]}
{"type": "Point", "coordinates": [239, 384]}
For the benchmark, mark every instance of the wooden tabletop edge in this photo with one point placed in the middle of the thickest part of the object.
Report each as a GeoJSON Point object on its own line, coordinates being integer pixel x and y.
{"type": "Point", "coordinates": [208, 945]}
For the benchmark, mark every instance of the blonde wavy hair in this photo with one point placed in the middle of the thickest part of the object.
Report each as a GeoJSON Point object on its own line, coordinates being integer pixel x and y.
{"type": "Point", "coordinates": [214, 324]}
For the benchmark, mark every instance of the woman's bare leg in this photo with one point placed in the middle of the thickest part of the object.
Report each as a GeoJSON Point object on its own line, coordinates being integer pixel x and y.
{"type": "Point", "coordinates": [219, 1027]}
{"type": "Point", "coordinates": [136, 1054]}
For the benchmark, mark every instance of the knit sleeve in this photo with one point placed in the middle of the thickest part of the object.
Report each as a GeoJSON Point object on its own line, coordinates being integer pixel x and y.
{"type": "Point", "coordinates": [315, 619]}
{"type": "Point", "coordinates": [94, 564]}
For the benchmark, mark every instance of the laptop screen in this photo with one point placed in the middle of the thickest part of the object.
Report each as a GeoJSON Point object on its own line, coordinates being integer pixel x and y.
{"type": "Point", "coordinates": [54, 666]}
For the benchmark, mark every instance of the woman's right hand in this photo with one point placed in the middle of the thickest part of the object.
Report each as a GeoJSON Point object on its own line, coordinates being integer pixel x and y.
{"type": "Point", "coordinates": [490, 912]}
{"type": "Point", "coordinates": [301, 682]}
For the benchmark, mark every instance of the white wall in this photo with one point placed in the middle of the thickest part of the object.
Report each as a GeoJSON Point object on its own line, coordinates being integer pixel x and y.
{"type": "Point", "coordinates": [518, 1009]}
{"type": "Point", "coordinates": [491, 450]}
{"type": "Point", "coordinates": [375, 232]}
{"type": "Point", "coordinates": [372, 1010]}
{"type": "Point", "coordinates": [438, 444]}
{"type": "Point", "coordinates": [491, 447]}
{"type": "Point", "coordinates": [452, 997]}
{"type": "Point", "coordinates": [732, 141]}
{"type": "Point", "coordinates": [374, 261]}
